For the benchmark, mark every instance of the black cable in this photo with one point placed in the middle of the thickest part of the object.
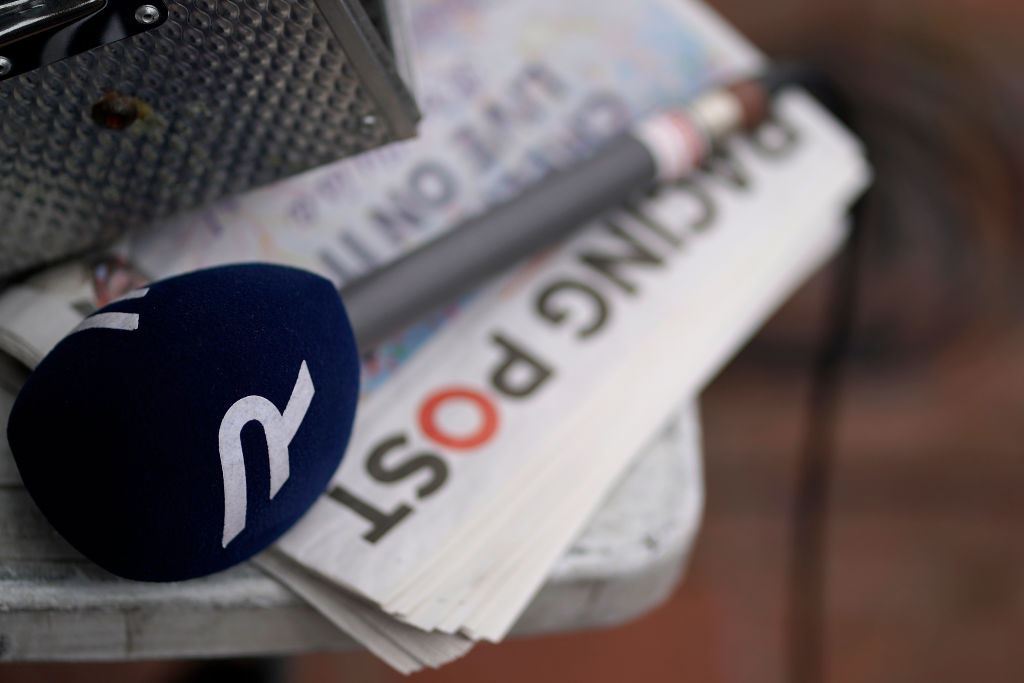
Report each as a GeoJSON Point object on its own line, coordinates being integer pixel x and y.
{"type": "Point", "coordinates": [806, 619]}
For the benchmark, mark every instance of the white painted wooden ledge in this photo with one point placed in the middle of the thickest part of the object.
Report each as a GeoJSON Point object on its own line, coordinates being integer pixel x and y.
{"type": "Point", "coordinates": [55, 605]}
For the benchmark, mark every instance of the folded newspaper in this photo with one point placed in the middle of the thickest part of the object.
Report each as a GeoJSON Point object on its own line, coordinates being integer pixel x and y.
{"type": "Point", "coordinates": [486, 437]}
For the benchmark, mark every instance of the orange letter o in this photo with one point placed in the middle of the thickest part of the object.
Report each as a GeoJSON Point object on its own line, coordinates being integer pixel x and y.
{"type": "Point", "coordinates": [482, 435]}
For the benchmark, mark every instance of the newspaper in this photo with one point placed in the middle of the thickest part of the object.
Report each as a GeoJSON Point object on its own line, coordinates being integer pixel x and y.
{"type": "Point", "coordinates": [540, 392]}
{"type": "Point", "coordinates": [553, 376]}
{"type": "Point", "coordinates": [487, 436]}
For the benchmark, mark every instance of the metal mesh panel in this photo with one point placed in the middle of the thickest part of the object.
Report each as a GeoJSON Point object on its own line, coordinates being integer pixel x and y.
{"type": "Point", "coordinates": [226, 95]}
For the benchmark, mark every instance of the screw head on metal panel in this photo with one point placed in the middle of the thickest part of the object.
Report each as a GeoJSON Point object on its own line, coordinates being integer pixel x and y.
{"type": "Point", "coordinates": [5, 66]}
{"type": "Point", "coordinates": [115, 111]}
{"type": "Point", "coordinates": [147, 14]}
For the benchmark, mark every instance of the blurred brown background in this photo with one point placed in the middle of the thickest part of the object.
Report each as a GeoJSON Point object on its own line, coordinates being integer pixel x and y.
{"type": "Point", "coordinates": [924, 553]}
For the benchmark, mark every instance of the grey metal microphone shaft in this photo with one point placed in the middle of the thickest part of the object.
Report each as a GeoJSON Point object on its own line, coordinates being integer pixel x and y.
{"type": "Point", "coordinates": [396, 295]}
{"type": "Point", "coordinates": [667, 146]}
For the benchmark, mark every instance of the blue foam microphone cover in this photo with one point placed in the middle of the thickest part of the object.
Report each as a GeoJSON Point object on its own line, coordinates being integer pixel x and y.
{"type": "Point", "coordinates": [185, 427]}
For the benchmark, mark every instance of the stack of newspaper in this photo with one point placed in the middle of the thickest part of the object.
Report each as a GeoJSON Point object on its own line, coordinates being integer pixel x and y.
{"type": "Point", "coordinates": [487, 436]}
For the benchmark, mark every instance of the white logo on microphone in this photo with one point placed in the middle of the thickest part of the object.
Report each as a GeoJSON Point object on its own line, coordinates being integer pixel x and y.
{"type": "Point", "coordinates": [279, 429]}
{"type": "Point", "coordinates": [128, 322]}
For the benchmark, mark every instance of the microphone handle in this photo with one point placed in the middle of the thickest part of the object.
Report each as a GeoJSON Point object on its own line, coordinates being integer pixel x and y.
{"type": "Point", "coordinates": [667, 146]}
{"type": "Point", "coordinates": [390, 298]}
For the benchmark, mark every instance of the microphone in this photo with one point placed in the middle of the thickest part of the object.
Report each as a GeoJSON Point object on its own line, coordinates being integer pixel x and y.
{"type": "Point", "coordinates": [185, 427]}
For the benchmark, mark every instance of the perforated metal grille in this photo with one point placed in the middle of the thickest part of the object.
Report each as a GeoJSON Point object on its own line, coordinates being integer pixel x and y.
{"type": "Point", "coordinates": [229, 95]}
